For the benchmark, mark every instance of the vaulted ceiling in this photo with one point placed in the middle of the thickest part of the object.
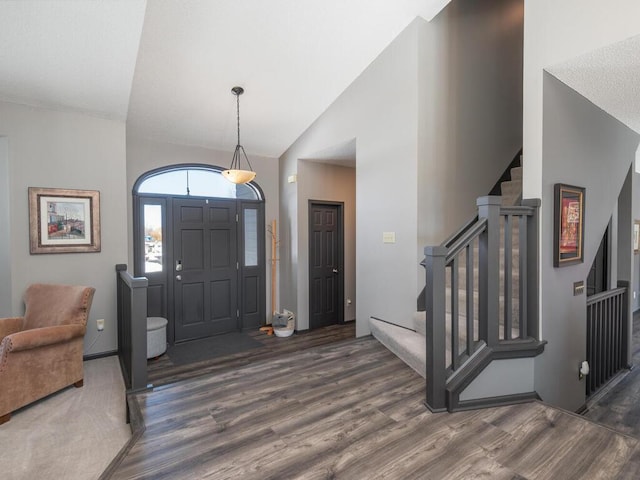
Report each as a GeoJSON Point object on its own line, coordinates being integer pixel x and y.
{"type": "Point", "coordinates": [167, 66]}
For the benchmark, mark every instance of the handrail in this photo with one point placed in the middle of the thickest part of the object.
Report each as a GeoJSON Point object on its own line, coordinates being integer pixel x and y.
{"type": "Point", "coordinates": [518, 210]}
{"type": "Point", "coordinates": [472, 232]}
{"type": "Point", "coordinates": [591, 299]}
{"type": "Point", "coordinates": [461, 231]}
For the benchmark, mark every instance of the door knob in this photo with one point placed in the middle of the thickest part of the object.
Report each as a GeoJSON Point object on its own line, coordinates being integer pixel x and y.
{"type": "Point", "coordinates": [178, 277]}
{"type": "Point", "coordinates": [335, 270]}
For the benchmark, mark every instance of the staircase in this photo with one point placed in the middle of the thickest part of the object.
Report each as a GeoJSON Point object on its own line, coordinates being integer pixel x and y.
{"type": "Point", "coordinates": [482, 302]}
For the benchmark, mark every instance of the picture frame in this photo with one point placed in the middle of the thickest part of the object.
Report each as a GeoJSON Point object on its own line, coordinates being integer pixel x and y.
{"type": "Point", "coordinates": [568, 225]}
{"type": "Point", "coordinates": [636, 236]}
{"type": "Point", "coordinates": [64, 221]}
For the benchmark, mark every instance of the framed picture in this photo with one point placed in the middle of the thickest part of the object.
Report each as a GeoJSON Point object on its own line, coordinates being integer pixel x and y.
{"type": "Point", "coordinates": [568, 225]}
{"type": "Point", "coordinates": [636, 236]}
{"type": "Point", "coordinates": [64, 221]}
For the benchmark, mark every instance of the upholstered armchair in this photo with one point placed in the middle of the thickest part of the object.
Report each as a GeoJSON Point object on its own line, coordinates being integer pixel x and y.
{"type": "Point", "coordinates": [41, 352]}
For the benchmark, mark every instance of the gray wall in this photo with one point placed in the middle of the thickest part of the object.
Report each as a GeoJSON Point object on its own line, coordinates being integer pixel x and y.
{"type": "Point", "coordinates": [145, 154]}
{"type": "Point", "coordinates": [585, 147]}
{"type": "Point", "coordinates": [5, 231]}
{"type": "Point", "coordinates": [555, 32]}
{"type": "Point", "coordinates": [56, 149]}
{"type": "Point", "coordinates": [470, 117]}
{"type": "Point", "coordinates": [326, 182]}
{"type": "Point", "coordinates": [635, 299]}
{"type": "Point", "coordinates": [436, 119]}
{"type": "Point", "coordinates": [502, 377]}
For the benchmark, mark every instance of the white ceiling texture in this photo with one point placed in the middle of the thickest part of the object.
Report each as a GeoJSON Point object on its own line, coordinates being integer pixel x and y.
{"type": "Point", "coordinates": [167, 66]}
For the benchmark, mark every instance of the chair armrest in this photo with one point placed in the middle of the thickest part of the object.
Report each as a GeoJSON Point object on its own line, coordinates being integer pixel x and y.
{"type": "Point", "coordinates": [10, 325]}
{"type": "Point", "coordinates": [39, 337]}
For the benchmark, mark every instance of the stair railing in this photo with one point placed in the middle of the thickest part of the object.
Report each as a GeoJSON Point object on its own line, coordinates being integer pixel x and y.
{"type": "Point", "coordinates": [483, 321]}
{"type": "Point", "coordinates": [607, 329]}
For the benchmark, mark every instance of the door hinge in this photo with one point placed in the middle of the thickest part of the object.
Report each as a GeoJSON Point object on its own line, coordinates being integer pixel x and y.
{"type": "Point", "coordinates": [237, 313]}
{"type": "Point", "coordinates": [237, 218]}
{"type": "Point", "coordinates": [237, 265]}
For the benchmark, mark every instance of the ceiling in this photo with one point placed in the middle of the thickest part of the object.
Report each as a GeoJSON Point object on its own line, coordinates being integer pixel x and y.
{"type": "Point", "coordinates": [167, 67]}
{"type": "Point", "coordinates": [609, 77]}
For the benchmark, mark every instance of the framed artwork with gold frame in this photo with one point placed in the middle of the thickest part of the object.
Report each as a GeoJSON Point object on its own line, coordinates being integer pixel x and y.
{"type": "Point", "coordinates": [63, 220]}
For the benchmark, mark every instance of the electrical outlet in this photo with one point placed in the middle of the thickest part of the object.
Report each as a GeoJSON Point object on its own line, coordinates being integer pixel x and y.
{"type": "Point", "coordinates": [100, 324]}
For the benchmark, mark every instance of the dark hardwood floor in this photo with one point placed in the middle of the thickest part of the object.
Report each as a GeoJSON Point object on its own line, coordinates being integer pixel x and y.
{"type": "Point", "coordinates": [163, 371]}
{"type": "Point", "coordinates": [352, 410]}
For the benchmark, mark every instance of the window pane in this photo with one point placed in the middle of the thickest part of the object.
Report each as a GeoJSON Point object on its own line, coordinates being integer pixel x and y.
{"type": "Point", "coordinates": [250, 237]}
{"type": "Point", "coordinates": [152, 238]}
{"type": "Point", "coordinates": [196, 183]}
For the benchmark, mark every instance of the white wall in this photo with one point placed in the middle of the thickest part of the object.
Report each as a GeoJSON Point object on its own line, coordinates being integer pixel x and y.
{"type": "Point", "coordinates": [68, 150]}
{"type": "Point", "coordinates": [380, 110]}
{"type": "Point", "coordinates": [318, 181]}
{"type": "Point", "coordinates": [436, 119]}
{"type": "Point", "coordinates": [144, 155]}
{"type": "Point", "coordinates": [556, 31]}
{"type": "Point", "coordinates": [585, 147]}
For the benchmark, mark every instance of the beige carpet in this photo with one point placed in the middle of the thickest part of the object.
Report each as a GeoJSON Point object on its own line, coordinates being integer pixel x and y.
{"type": "Point", "coordinates": [72, 434]}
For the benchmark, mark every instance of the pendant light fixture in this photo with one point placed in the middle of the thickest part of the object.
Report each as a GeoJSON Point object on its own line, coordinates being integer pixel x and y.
{"type": "Point", "coordinates": [235, 174]}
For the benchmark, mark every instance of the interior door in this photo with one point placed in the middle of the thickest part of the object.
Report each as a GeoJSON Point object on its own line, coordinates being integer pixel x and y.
{"type": "Point", "coordinates": [326, 277]}
{"type": "Point", "coordinates": [205, 269]}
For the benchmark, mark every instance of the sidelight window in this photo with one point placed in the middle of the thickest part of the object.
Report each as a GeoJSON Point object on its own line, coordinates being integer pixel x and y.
{"type": "Point", "coordinates": [152, 238]}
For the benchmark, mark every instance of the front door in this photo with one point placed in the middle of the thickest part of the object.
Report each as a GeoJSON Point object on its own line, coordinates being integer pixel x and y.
{"type": "Point", "coordinates": [205, 267]}
{"type": "Point", "coordinates": [326, 277]}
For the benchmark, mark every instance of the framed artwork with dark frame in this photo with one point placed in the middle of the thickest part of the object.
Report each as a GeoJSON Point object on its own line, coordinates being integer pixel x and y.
{"type": "Point", "coordinates": [64, 221]}
{"type": "Point", "coordinates": [568, 225]}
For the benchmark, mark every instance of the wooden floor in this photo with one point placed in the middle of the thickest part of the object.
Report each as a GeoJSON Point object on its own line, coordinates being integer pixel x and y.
{"type": "Point", "coordinates": [162, 371]}
{"type": "Point", "coordinates": [352, 410]}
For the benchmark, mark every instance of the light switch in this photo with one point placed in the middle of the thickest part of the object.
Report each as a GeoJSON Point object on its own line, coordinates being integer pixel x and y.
{"type": "Point", "coordinates": [388, 237]}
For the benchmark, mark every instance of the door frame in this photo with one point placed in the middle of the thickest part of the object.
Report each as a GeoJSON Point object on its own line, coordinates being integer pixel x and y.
{"type": "Point", "coordinates": [165, 278]}
{"type": "Point", "coordinates": [340, 227]}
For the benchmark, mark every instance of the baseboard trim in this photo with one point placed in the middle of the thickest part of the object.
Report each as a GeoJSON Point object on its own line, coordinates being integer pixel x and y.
{"type": "Point", "coordinates": [500, 401]}
{"type": "Point", "coordinates": [93, 356]}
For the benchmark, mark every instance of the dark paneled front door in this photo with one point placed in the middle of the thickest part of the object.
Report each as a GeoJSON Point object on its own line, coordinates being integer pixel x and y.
{"type": "Point", "coordinates": [205, 267]}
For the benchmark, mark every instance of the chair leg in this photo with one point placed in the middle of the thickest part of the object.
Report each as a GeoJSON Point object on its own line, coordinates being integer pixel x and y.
{"type": "Point", "coordinates": [5, 418]}
{"type": "Point", "coordinates": [79, 383]}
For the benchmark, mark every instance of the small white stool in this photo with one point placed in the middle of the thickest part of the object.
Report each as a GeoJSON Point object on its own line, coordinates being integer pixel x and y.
{"type": "Point", "coordinates": [156, 336]}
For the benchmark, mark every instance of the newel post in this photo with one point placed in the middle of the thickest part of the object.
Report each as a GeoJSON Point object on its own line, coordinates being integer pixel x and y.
{"type": "Point", "coordinates": [435, 299]}
{"type": "Point", "coordinates": [489, 270]}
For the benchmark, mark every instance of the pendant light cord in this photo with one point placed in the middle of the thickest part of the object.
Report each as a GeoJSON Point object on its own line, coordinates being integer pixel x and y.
{"type": "Point", "coordinates": [238, 115]}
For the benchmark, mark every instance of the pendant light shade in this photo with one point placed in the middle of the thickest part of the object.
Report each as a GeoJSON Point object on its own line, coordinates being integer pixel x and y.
{"type": "Point", "coordinates": [235, 174]}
